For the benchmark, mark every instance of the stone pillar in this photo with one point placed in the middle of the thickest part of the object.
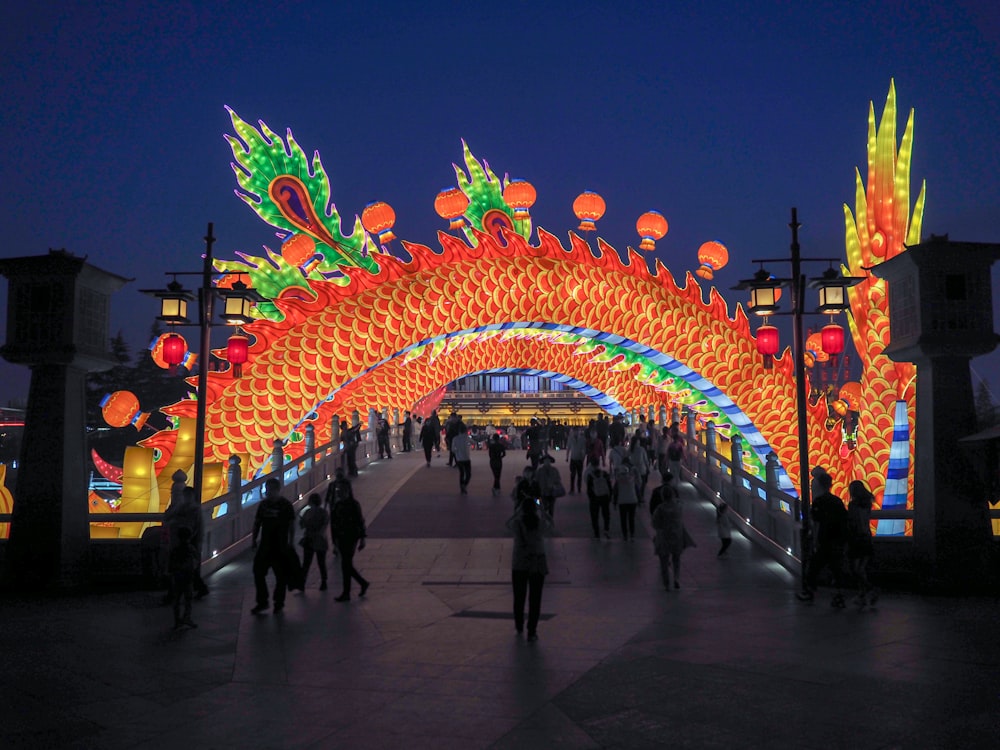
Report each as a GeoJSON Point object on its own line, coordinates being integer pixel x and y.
{"type": "Point", "coordinates": [335, 431]}
{"type": "Point", "coordinates": [310, 449]}
{"type": "Point", "coordinates": [234, 475]}
{"type": "Point", "coordinates": [675, 415]}
{"type": "Point", "coordinates": [711, 443]}
{"type": "Point", "coordinates": [737, 458]}
{"type": "Point", "coordinates": [58, 309]}
{"type": "Point", "coordinates": [278, 459]}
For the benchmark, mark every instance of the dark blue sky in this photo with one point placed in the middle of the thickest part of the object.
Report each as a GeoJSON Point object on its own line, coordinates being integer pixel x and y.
{"type": "Point", "coordinates": [722, 117]}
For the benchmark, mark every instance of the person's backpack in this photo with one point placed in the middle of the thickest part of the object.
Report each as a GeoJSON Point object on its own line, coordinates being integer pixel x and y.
{"type": "Point", "coordinates": [599, 484]}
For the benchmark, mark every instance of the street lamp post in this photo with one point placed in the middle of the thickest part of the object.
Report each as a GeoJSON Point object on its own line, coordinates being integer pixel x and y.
{"type": "Point", "coordinates": [763, 298]}
{"type": "Point", "coordinates": [206, 305]}
{"type": "Point", "coordinates": [173, 310]}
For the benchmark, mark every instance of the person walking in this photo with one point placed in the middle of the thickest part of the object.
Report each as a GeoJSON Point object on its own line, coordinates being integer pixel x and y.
{"type": "Point", "coordinates": [830, 515]}
{"type": "Point", "coordinates": [460, 449]}
{"type": "Point", "coordinates": [549, 484]}
{"type": "Point", "coordinates": [347, 529]}
{"type": "Point", "coordinates": [576, 452]}
{"type": "Point", "coordinates": [497, 451]}
{"type": "Point", "coordinates": [671, 537]}
{"type": "Point", "coordinates": [407, 433]}
{"type": "Point", "coordinates": [351, 437]}
{"type": "Point", "coordinates": [184, 561]}
{"type": "Point", "coordinates": [598, 483]}
{"type": "Point", "coordinates": [382, 438]}
{"type": "Point", "coordinates": [675, 451]}
{"type": "Point", "coordinates": [314, 522]}
{"type": "Point", "coordinates": [859, 540]}
{"type": "Point", "coordinates": [428, 439]}
{"type": "Point", "coordinates": [529, 565]}
{"type": "Point", "coordinates": [273, 530]}
{"type": "Point", "coordinates": [626, 497]}
{"type": "Point", "coordinates": [640, 462]}
{"type": "Point", "coordinates": [184, 512]}
{"type": "Point", "coordinates": [724, 525]}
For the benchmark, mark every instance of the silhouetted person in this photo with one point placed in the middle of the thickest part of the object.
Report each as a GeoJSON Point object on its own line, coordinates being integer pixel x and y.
{"type": "Point", "coordinates": [830, 515]}
{"type": "Point", "coordinates": [273, 532]}
{"type": "Point", "coordinates": [497, 451]}
{"type": "Point", "coordinates": [314, 523]}
{"type": "Point", "coordinates": [347, 529]}
{"type": "Point", "coordinates": [351, 436]}
{"type": "Point", "coordinates": [184, 560]}
{"type": "Point", "coordinates": [428, 439]}
{"type": "Point", "coordinates": [407, 433]}
{"type": "Point", "coordinates": [528, 566]}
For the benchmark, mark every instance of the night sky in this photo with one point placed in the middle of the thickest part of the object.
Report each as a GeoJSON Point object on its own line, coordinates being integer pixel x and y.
{"type": "Point", "coordinates": [722, 117]}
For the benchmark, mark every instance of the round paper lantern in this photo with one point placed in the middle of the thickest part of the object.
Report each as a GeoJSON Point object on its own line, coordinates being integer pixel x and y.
{"type": "Point", "coordinates": [651, 226]}
{"type": "Point", "coordinates": [237, 352]}
{"type": "Point", "coordinates": [121, 408]}
{"type": "Point", "coordinates": [297, 249]}
{"type": "Point", "coordinates": [712, 256]}
{"type": "Point", "coordinates": [589, 207]}
{"type": "Point", "coordinates": [814, 350]}
{"type": "Point", "coordinates": [451, 204]}
{"type": "Point", "coordinates": [850, 393]}
{"type": "Point", "coordinates": [767, 340]}
{"type": "Point", "coordinates": [520, 195]}
{"type": "Point", "coordinates": [379, 218]}
{"type": "Point", "coordinates": [833, 339]}
{"type": "Point", "coordinates": [174, 349]}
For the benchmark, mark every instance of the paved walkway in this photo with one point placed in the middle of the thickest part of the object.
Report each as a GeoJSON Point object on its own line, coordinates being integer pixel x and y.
{"type": "Point", "coordinates": [429, 658]}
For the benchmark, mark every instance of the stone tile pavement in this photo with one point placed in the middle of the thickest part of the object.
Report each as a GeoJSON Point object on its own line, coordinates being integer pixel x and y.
{"type": "Point", "coordinates": [429, 658]}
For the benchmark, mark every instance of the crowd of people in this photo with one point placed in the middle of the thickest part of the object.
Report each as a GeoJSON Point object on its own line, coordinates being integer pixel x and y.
{"type": "Point", "coordinates": [608, 463]}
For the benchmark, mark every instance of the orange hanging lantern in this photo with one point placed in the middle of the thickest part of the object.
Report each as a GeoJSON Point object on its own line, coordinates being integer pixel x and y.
{"type": "Point", "coordinates": [379, 218]}
{"type": "Point", "coordinates": [814, 350]}
{"type": "Point", "coordinates": [832, 339]}
{"type": "Point", "coordinates": [297, 249]}
{"type": "Point", "coordinates": [767, 343]}
{"type": "Point", "coordinates": [651, 226]}
{"type": "Point", "coordinates": [520, 195]}
{"type": "Point", "coordinates": [121, 408]}
{"type": "Point", "coordinates": [589, 207]}
{"type": "Point", "coordinates": [451, 204]}
{"type": "Point", "coordinates": [850, 393]}
{"type": "Point", "coordinates": [237, 352]}
{"type": "Point", "coordinates": [712, 256]}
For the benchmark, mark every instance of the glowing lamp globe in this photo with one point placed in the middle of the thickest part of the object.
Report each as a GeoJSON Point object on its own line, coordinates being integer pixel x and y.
{"type": "Point", "coordinates": [297, 249]}
{"type": "Point", "coordinates": [520, 195]}
{"type": "Point", "coordinates": [651, 227]}
{"type": "Point", "coordinates": [451, 204]}
{"type": "Point", "coordinates": [767, 340]}
{"type": "Point", "coordinates": [379, 218]}
{"type": "Point", "coordinates": [589, 207]}
{"type": "Point", "coordinates": [833, 339]}
{"type": "Point", "coordinates": [712, 256]}
{"type": "Point", "coordinates": [237, 352]}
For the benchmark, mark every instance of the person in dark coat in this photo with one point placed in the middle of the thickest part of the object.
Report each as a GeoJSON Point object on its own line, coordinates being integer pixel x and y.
{"type": "Point", "coordinates": [273, 534]}
{"type": "Point", "coordinates": [429, 437]}
{"type": "Point", "coordinates": [347, 529]}
{"type": "Point", "coordinates": [830, 516]}
{"type": "Point", "coordinates": [407, 433]}
{"type": "Point", "coordinates": [528, 564]}
{"type": "Point", "coordinates": [497, 451]}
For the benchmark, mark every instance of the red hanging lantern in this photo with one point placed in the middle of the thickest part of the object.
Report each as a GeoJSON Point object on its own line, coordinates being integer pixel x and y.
{"type": "Point", "coordinates": [379, 218]}
{"type": "Point", "coordinates": [833, 339]}
{"type": "Point", "coordinates": [767, 343]}
{"type": "Point", "coordinates": [588, 207]}
{"type": "Point", "coordinates": [174, 349]}
{"type": "Point", "coordinates": [651, 226]}
{"type": "Point", "coordinates": [451, 204]}
{"type": "Point", "coordinates": [520, 195]}
{"type": "Point", "coordinates": [237, 352]}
